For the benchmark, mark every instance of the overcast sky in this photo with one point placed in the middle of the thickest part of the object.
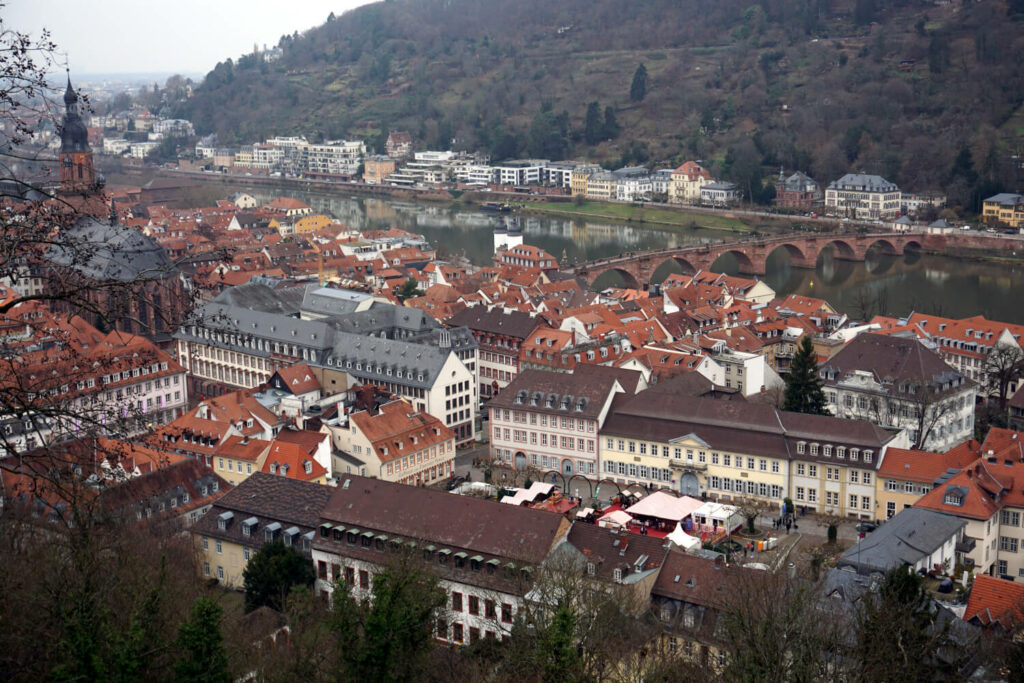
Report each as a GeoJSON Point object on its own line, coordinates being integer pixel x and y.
{"type": "Point", "coordinates": [184, 36]}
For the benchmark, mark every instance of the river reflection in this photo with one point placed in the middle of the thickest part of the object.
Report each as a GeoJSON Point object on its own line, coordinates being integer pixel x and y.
{"type": "Point", "coordinates": [889, 284]}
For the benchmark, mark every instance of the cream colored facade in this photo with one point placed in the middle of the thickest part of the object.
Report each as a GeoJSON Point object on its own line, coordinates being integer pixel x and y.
{"type": "Point", "coordinates": [236, 470]}
{"type": "Point", "coordinates": [894, 494]}
{"type": "Point", "coordinates": [224, 561]}
{"type": "Point", "coordinates": [833, 479]}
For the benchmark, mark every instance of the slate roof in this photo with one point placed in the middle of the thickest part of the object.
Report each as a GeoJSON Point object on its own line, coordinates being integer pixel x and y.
{"type": "Point", "coordinates": [108, 252]}
{"type": "Point", "coordinates": [330, 301]}
{"type": "Point", "coordinates": [738, 426]}
{"type": "Point", "coordinates": [898, 363]}
{"type": "Point", "coordinates": [1006, 199]}
{"type": "Point", "coordinates": [269, 497]}
{"type": "Point", "coordinates": [863, 182]}
{"type": "Point", "coordinates": [260, 297]}
{"type": "Point", "coordinates": [481, 526]}
{"type": "Point", "coordinates": [609, 550]}
{"type": "Point", "coordinates": [244, 323]}
{"type": "Point", "coordinates": [904, 540]}
{"type": "Point", "coordinates": [495, 321]}
{"type": "Point", "coordinates": [698, 581]}
{"type": "Point", "coordinates": [372, 358]}
{"type": "Point", "coordinates": [580, 394]}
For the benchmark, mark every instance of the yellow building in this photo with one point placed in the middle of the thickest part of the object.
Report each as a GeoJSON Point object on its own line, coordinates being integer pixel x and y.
{"type": "Point", "coordinates": [1005, 208]}
{"type": "Point", "coordinates": [262, 509]}
{"type": "Point", "coordinates": [579, 179]}
{"type": "Point", "coordinates": [377, 168]}
{"type": "Point", "coordinates": [312, 223]}
{"type": "Point", "coordinates": [237, 458]}
{"type": "Point", "coordinates": [601, 186]}
{"type": "Point", "coordinates": [731, 450]}
{"type": "Point", "coordinates": [906, 475]}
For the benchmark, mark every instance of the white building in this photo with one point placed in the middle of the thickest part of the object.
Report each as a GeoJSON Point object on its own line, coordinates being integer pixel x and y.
{"type": "Point", "coordinates": [863, 196]}
{"type": "Point", "coordinates": [140, 150]}
{"type": "Point", "coordinates": [334, 157]}
{"type": "Point", "coordinates": [115, 146]}
{"type": "Point", "coordinates": [720, 193]}
{"type": "Point", "coordinates": [520, 172]}
{"type": "Point", "coordinates": [901, 383]}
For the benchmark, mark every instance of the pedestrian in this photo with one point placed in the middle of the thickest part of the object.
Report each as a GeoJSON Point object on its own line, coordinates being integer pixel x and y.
{"type": "Point", "coordinates": [788, 525]}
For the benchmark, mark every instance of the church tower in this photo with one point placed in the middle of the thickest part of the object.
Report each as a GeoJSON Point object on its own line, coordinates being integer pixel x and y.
{"type": "Point", "coordinates": [77, 174]}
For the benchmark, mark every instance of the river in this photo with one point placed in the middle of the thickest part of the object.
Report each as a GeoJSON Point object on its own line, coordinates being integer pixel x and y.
{"type": "Point", "coordinates": [925, 283]}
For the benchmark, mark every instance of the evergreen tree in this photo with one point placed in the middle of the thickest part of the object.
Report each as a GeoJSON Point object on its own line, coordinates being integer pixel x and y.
{"type": "Point", "coordinates": [638, 89]}
{"type": "Point", "coordinates": [803, 386]}
{"type": "Point", "coordinates": [593, 127]}
{"type": "Point", "coordinates": [271, 574]}
{"type": "Point", "coordinates": [556, 648]}
{"type": "Point", "coordinates": [202, 657]}
{"type": "Point", "coordinates": [611, 126]}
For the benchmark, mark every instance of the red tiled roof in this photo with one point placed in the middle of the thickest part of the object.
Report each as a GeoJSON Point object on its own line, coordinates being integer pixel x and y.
{"type": "Point", "coordinates": [996, 601]}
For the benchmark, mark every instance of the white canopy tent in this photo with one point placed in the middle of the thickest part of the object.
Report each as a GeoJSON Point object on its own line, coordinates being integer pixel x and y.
{"type": "Point", "coordinates": [682, 539]}
{"type": "Point", "coordinates": [711, 516]}
{"type": "Point", "coordinates": [615, 518]}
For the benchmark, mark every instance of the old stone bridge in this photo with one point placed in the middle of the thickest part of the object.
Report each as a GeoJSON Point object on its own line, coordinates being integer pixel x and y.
{"type": "Point", "coordinates": [637, 268]}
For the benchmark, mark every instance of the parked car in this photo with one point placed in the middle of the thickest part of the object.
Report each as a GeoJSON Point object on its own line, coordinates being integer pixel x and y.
{"type": "Point", "coordinates": [866, 527]}
{"type": "Point", "coordinates": [454, 481]}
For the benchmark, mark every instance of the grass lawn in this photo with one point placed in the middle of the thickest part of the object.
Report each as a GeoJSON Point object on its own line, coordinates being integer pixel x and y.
{"type": "Point", "coordinates": [627, 212]}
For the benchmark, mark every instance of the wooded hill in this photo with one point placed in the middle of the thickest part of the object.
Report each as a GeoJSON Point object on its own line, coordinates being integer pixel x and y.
{"type": "Point", "coordinates": [927, 95]}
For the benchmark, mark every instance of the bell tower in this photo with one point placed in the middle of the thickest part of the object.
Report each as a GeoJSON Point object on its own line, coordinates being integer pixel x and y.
{"type": "Point", "coordinates": [77, 174]}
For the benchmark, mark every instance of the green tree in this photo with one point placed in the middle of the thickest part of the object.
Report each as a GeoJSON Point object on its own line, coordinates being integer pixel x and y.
{"type": "Point", "coordinates": [202, 658]}
{"type": "Point", "coordinates": [388, 637]}
{"type": "Point", "coordinates": [611, 128]}
{"type": "Point", "coordinates": [271, 574]}
{"type": "Point", "coordinates": [593, 126]}
{"type": "Point", "coordinates": [638, 88]}
{"type": "Point", "coordinates": [556, 647]}
{"type": "Point", "coordinates": [898, 635]}
{"type": "Point", "coordinates": [548, 134]}
{"type": "Point", "coordinates": [803, 386]}
{"type": "Point", "coordinates": [408, 289]}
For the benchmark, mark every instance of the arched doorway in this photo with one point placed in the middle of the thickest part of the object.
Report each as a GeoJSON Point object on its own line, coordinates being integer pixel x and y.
{"type": "Point", "coordinates": [567, 467]}
{"type": "Point", "coordinates": [520, 460]}
{"type": "Point", "coordinates": [689, 485]}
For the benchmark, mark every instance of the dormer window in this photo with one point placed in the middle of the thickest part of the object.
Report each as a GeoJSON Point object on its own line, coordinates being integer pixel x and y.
{"type": "Point", "coordinates": [617, 575]}
{"type": "Point", "coordinates": [801, 447]}
{"type": "Point", "coordinates": [953, 499]}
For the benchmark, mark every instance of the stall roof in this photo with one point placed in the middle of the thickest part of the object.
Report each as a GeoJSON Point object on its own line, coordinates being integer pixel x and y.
{"type": "Point", "coordinates": [617, 517]}
{"type": "Point", "coordinates": [664, 506]}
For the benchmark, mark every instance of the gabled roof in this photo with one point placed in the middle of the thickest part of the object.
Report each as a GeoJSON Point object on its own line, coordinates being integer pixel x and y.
{"type": "Point", "coordinates": [996, 601]}
{"type": "Point", "coordinates": [298, 378]}
{"type": "Point", "coordinates": [291, 460]}
{"type": "Point", "coordinates": [904, 540]}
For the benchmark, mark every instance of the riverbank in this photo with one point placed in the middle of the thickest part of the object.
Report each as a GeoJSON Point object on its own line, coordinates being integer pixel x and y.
{"type": "Point", "coordinates": [644, 214]}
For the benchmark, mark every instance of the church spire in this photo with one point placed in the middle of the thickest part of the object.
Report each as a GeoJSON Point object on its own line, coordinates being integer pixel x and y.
{"type": "Point", "coordinates": [76, 170]}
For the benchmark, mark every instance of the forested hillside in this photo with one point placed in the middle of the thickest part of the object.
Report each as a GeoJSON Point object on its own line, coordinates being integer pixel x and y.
{"type": "Point", "coordinates": [928, 95]}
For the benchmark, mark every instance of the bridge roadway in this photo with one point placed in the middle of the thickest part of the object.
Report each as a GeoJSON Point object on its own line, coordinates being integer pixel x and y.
{"type": "Point", "coordinates": [637, 268]}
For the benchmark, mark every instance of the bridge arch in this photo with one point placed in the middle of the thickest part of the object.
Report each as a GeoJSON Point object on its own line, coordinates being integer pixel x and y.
{"type": "Point", "coordinates": [884, 246]}
{"type": "Point", "coordinates": [797, 256]}
{"type": "Point", "coordinates": [743, 262]}
{"type": "Point", "coordinates": [629, 280]}
{"type": "Point", "coordinates": [670, 265]}
{"type": "Point", "coordinates": [841, 249]}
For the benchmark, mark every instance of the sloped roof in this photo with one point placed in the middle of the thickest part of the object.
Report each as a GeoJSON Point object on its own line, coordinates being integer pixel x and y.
{"type": "Point", "coordinates": [996, 601]}
{"type": "Point", "coordinates": [521, 534]}
{"type": "Point", "coordinates": [905, 539]}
